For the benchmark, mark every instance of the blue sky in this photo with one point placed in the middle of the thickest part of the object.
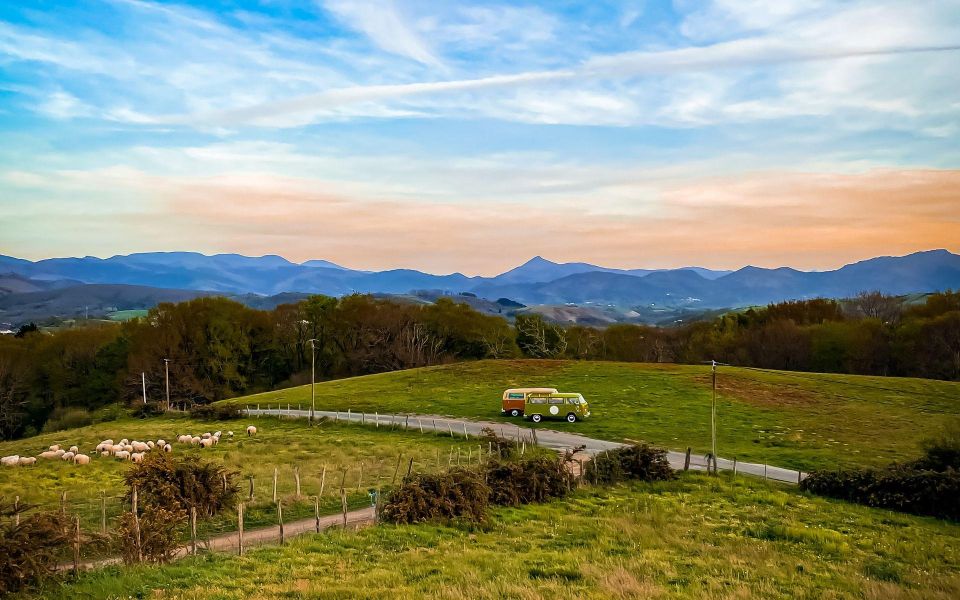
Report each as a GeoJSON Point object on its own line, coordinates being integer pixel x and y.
{"type": "Point", "coordinates": [470, 136]}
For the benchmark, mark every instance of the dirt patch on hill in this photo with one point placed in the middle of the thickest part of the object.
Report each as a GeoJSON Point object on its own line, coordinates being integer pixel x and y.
{"type": "Point", "coordinates": [759, 393]}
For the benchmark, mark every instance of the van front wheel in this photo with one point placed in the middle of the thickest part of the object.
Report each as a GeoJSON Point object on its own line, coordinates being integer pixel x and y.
{"type": "Point", "coordinates": [514, 413]}
{"type": "Point", "coordinates": [536, 418]}
{"type": "Point", "coordinates": [571, 418]}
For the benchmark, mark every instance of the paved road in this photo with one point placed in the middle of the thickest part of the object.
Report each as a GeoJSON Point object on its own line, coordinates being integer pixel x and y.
{"type": "Point", "coordinates": [548, 438]}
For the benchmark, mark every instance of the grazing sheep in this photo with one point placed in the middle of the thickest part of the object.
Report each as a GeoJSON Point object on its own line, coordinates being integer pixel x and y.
{"type": "Point", "coordinates": [115, 448]}
{"type": "Point", "coordinates": [195, 441]}
{"type": "Point", "coordinates": [229, 434]}
{"type": "Point", "coordinates": [105, 453]}
{"type": "Point", "coordinates": [185, 439]}
{"type": "Point", "coordinates": [128, 447]}
{"type": "Point", "coordinates": [67, 456]}
{"type": "Point", "coordinates": [108, 442]}
{"type": "Point", "coordinates": [10, 461]}
{"type": "Point", "coordinates": [206, 443]}
{"type": "Point", "coordinates": [167, 448]}
{"type": "Point", "coordinates": [27, 460]}
{"type": "Point", "coordinates": [207, 435]}
{"type": "Point", "coordinates": [124, 442]}
{"type": "Point", "coordinates": [100, 447]}
{"type": "Point", "coordinates": [251, 430]}
{"type": "Point", "coordinates": [123, 455]}
{"type": "Point", "coordinates": [151, 444]}
{"type": "Point", "coordinates": [161, 443]}
{"type": "Point", "coordinates": [217, 433]}
{"type": "Point", "coordinates": [54, 447]}
{"type": "Point", "coordinates": [60, 452]}
{"type": "Point", "coordinates": [48, 454]}
{"type": "Point", "coordinates": [137, 457]}
{"type": "Point", "coordinates": [81, 459]}
{"type": "Point", "coordinates": [139, 447]}
{"type": "Point", "coordinates": [73, 449]}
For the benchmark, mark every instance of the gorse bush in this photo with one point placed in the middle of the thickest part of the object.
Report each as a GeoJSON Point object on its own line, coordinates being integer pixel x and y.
{"type": "Point", "coordinates": [182, 483]}
{"type": "Point", "coordinates": [146, 410]}
{"type": "Point", "coordinates": [28, 551]}
{"type": "Point", "coordinates": [216, 412]}
{"type": "Point", "coordinates": [154, 539]}
{"type": "Point", "coordinates": [535, 479]}
{"type": "Point", "coordinates": [455, 494]}
{"type": "Point", "coordinates": [928, 486]}
{"type": "Point", "coordinates": [68, 418]}
{"type": "Point", "coordinates": [638, 462]}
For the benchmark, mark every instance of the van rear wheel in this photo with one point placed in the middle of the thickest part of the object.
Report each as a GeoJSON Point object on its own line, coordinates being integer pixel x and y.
{"type": "Point", "coordinates": [536, 418]}
{"type": "Point", "coordinates": [571, 418]}
{"type": "Point", "coordinates": [514, 413]}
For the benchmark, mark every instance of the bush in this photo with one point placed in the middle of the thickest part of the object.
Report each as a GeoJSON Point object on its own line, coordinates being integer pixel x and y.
{"type": "Point", "coordinates": [182, 483]}
{"type": "Point", "coordinates": [535, 479]}
{"type": "Point", "coordinates": [67, 418]}
{"type": "Point", "coordinates": [502, 447]}
{"type": "Point", "coordinates": [158, 534]}
{"type": "Point", "coordinates": [455, 494]}
{"type": "Point", "coordinates": [902, 488]}
{"type": "Point", "coordinates": [146, 410]}
{"type": "Point", "coordinates": [637, 461]}
{"type": "Point", "coordinates": [28, 551]}
{"type": "Point", "coordinates": [941, 453]}
{"type": "Point", "coordinates": [215, 412]}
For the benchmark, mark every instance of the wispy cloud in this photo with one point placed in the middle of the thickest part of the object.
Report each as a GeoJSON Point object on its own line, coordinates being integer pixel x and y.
{"type": "Point", "coordinates": [385, 25]}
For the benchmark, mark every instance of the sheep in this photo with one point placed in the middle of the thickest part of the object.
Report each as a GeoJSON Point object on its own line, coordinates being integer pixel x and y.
{"type": "Point", "coordinates": [151, 444]}
{"type": "Point", "coordinates": [229, 434]}
{"type": "Point", "coordinates": [124, 442]}
{"type": "Point", "coordinates": [167, 448]}
{"type": "Point", "coordinates": [10, 461]}
{"type": "Point", "coordinates": [73, 449]}
{"type": "Point", "coordinates": [49, 454]}
{"type": "Point", "coordinates": [116, 448]}
{"type": "Point", "coordinates": [207, 435]}
{"type": "Point", "coordinates": [217, 433]}
{"type": "Point", "coordinates": [27, 460]}
{"type": "Point", "coordinates": [251, 430]}
{"type": "Point", "coordinates": [161, 443]}
{"type": "Point", "coordinates": [60, 452]}
{"type": "Point", "coordinates": [195, 441]}
{"type": "Point", "coordinates": [81, 459]}
{"type": "Point", "coordinates": [206, 443]}
{"type": "Point", "coordinates": [100, 447]}
{"type": "Point", "coordinates": [54, 447]}
{"type": "Point", "coordinates": [123, 455]}
{"type": "Point", "coordinates": [139, 447]}
{"type": "Point", "coordinates": [128, 447]}
{"type": "Point", "coordinates": [185, 439]}
{"type": "Point", "coordinates": [137, 457]}
{"type": "Point", "coordinates": [67, 456]}
{"type": "Point", "coordinates": [105, 453]}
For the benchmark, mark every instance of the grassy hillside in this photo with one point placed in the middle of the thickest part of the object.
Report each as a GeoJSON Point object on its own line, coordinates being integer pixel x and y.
{"type": "Point", "coordinates": [799, 420]}
{"type": "Point", "coordinates": [280, 444]}
{"type": "Point", "coordinates": [693, 538]}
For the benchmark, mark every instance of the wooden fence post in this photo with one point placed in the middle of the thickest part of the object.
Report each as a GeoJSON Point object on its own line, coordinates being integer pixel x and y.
{"type": "Point", "coordinates": [240, 529]}
{"type": "Point", "coordinates": [103, 511]}
{"type": "Point", "coordinates": [376, 419]}
{"type": "Point", "coordinates": [16, 511]}
{"type": "Point", "coordinates": [363, 418]}
{"type": "Point", "coordinates": [397, 470]}
{"type": "Point", "coordinates": [251, 488]}
{"type": "Point", "coordinates": [799, 477]}
{"type": "Point", "coordinates": [193, 529]}
{"type": "Point", "coordinates": [280, 520]}
{"type": "Point", "coordinates": [343, 477]}
{"type": "Point", "coordinates": [63, 503]}
{"type": "Point", "coordinates": [434, 426]}
{"type": "Point", "coordinates": [76, 544]}
{"type": "Point", "coordinates": [450, 427]}
{"type": "Point", "coordinates": [136, 524]}
{"type": "Point", "coordinates": [296, 477]}
{"type": "Point", "coordinates": [360, 476]}
{"type": "Point", "coordinates": [343, 504]}
{"type": "Point", "coordinates": [275, 484]}
{"type": "Point", "coordinates": [466, 436]}
{"type": "Point", "coordinates": [316, 512]}
{"type": "Point", "coordinates": [686, 460]}
{"type": "Point", "coordinates": [409, 469]}
{"type": "Point", "coordinates": [323, 478]}
{"type": "Point", "coordinates": [734, 467]}
{"type": "Point", "coordinates": [764, 471]}
{"type": "Point", "coordinates": [420, 423]}
{"type": "Point", "coordinates": [580, 479]}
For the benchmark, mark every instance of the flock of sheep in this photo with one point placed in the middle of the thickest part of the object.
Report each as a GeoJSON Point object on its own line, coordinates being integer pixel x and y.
{"type": "Point", "coordinates": [124, 450]}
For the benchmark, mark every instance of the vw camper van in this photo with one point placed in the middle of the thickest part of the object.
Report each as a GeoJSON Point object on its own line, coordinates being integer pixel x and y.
{"type": "Point", "coordinates": [514, 399]}
{"type": "Point", "coordinates": [556, 405]}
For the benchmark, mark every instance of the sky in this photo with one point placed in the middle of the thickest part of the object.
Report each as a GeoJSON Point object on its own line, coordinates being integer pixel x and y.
{"type": "Point", "coordinates": [471, 136]}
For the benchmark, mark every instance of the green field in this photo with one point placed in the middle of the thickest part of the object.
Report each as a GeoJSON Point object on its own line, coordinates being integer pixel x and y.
{"type": "Point", "coordinates": [692, 538]}
{"type": "Point", "coordinates": [798, 420]}
{"type": "Point", "coordinates": [281, 444]}
{"type": "Point", "coordinates": [126, 315]}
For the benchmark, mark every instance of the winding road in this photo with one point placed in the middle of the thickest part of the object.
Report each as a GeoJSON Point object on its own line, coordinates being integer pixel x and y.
{"type": "Point", "coordinates": [548, 438]}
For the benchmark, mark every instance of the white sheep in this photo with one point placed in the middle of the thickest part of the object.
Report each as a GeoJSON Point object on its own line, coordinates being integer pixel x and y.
{"type": "Point", "coordinates": [137, 457]}
{"type": "Point", "coordinates": [123, 455]}
{"type": "Point", "coordinates": [217, 433]}
{"type": "Point", "coordinates": [48, 454]}
{"type": "Point", "coordinates": [206, 435]}
{"type": "Point", "coordinates": [81, 459]}
{"type": "Point", "coordinates": [27, 460]}
{"type": "Point", "coordinates": [251, 430]}
{"type": "Point", "coordinates": [167, 448]}
{"type": "Point", "coordinates": [195, 441]}
{"type": "Point", "coordinates": [151, 444]}
{"type": "Point", "coordinates": [139, 447]}
{"type": "Point", "coordinates": [67, 456]}
{"type": "Point", "coordinates": [206, 443]}
{"type": "Point", "coordinates": [116, 448]}
{"type": "Point", "coordinates": [54, 447]}
{"type": "Point", "coordinates": [161, 443]}
{"type": "Point", "coordinates": [229, 434]}
{"type": "Point", "coordinates": [73, 449]}
{"type": "Point", "coordinates": [128, 447]}
{"type": "Point", "coordinates": [10, 461]}
{"type": "Point", "coordinates": [60, 452]}
{"type": "Point", "coordinates": [107, 442]}
{"type": "Point", "coordinates": [124, 442]}
{"type": "Point", "coordinates": [105, 453]}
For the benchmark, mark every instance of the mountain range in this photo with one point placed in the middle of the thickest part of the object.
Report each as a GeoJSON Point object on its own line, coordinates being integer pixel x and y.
{"type": "Point", "coordinates": [257, 280]}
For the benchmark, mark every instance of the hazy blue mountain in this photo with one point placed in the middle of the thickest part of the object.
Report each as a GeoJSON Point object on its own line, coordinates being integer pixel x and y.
{"type": "Point", "coordinates": [323, 263]}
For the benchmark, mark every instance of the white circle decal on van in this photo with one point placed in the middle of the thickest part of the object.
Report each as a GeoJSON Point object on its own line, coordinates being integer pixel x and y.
{"type": "Point", "coordinates": [554, 410]}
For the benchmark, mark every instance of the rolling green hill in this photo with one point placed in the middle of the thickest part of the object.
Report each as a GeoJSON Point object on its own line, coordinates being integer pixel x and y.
{"type": "Point", "coordinates": [797, 420]}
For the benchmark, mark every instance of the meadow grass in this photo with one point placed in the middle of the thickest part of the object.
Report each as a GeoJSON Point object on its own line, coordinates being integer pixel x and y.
{"type": "Point", "coordinates": [698, 537]}
{"type": "Point", "coordinates": [280, 444]}
{"type": "Point", "coordinates": [799, 420]}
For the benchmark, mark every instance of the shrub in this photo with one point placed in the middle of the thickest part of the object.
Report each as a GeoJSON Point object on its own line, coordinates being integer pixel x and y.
{"type": "Point", "coordinates": [941, 453]}
{"type": "Point", "coordinates": [215, 412]}
{"type": "Point", "coordinates": [28, 551]}
{"type": "Point", "coordinates": [534, 479]}
{"type": "Point", "coordinates": [502, 447]}
{"type": "Point", "coordinates": [164, 481]}
{"type": "Point", "coordinates": [68, 418]}
{"type": "Point", "coordinates": [455, 494]}
{"type": "Point", "coordinates": [158, 534]}
{"type": "Point", "coordinates": [146, 410]}
{"type": "Point", "coordinates": [636, 461]}
{"type": "Point", "coordinates": [902, 488]}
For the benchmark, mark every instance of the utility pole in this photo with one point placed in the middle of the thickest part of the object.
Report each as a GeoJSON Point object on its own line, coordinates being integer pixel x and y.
{"type": "Point", "coordinates": [313, 378]}
{"type": "Point", "coordinates": [143, 378]}
{"type": "Point", "coordinates": [713, 416]}
{"type": "Point", "coordinates": [166, 373]}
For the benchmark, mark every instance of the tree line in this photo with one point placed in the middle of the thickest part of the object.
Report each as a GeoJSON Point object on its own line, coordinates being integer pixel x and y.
{"type": "Point", "coordinates": [216, 348]}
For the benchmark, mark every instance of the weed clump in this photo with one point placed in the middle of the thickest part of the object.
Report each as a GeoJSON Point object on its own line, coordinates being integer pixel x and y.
{"type": "Point", "coordinates": [215, 412]}
{"type": "Point", "coordinates": [183, 483]}
{"type": "Point", "coordinates": [28, 550]}
{"type": "Point", "coordinates": [155, 538]}
{"type": "Point", "coordinates": [640, 462]}
{"type": "Point", "coordinates": [455, 494]}
{"type": "Point", "coordinates": [535, 479]}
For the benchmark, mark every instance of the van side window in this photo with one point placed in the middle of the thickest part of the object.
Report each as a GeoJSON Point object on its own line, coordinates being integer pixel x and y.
{"type": "Point", "coordinates": [555, 400]}
{"type": "Point", "coordinates": [538, 400]}
{"type": "Point", "coordinates": [573, 400]}
{"type": "Point", "coordinates": [513, 396]}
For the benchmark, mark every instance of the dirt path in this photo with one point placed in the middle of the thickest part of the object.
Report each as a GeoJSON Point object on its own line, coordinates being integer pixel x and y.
{"type": "Point", "coordinates": [547, 438]}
